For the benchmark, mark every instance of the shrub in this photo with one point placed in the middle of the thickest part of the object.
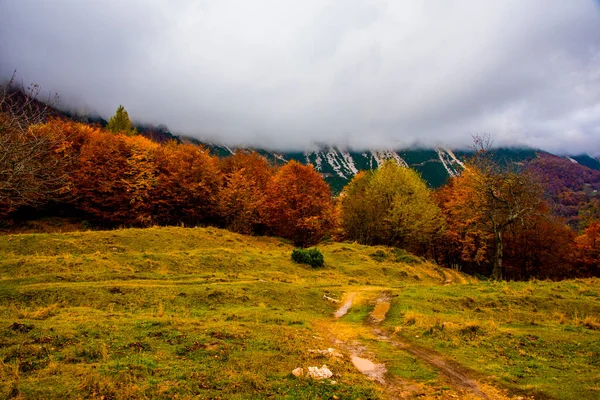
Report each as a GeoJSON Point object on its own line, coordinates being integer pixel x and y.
{"type": "Point", "coordinates": [402, 256]}
{"type": "Point", "coordinates": [312, 257]}
{"type": "Point", "coordinates": [379, 256]}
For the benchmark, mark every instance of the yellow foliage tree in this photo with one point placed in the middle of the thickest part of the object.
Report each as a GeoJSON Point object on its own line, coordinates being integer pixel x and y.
{"type": "Point", "coordinates": [390, 206]}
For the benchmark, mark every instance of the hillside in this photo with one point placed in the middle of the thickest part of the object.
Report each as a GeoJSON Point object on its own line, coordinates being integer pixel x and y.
{"type": "Point", "coordinates": [435, 165]}
{"type": "Point", "coordinates": [572, 188]}
{"type": "Point", "coordinates": [174, 312]}
{"type": "Point", "coordinates": [338, 166]}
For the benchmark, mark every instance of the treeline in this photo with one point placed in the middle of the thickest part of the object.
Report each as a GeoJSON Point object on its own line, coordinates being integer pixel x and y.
{"type": "Point", "coordinates": [491, 220]}
{"type": "Point", "coordinates": [114, 179]}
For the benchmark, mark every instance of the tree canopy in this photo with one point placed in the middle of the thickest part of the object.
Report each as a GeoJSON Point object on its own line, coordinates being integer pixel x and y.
{"type": "Point", "coordinates": [486, 200]}
{"type": "Point", "coordinates": [298, 204]}
{"type": "Point", "coordinates": [390, 206]}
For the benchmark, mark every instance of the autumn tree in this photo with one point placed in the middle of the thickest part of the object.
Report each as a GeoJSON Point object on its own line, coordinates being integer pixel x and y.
{"type": "Point", "coordinates": [539, 246]}
{"type": "Point", "coordinates": [246, 175]}
{"type": "Point", "coordinates": [494, 197]}
{"type": "Point", "coordinates": [587, 251]}
{"type": "Point", "coordinates": [120, 123]}
{"type": "Point", "coordinates": [32, 158]}
{"type": "Point", "coordinates": [465, 243]}
{"type": "Point", "coordinates": [114, 178]}
{"type": "Point", "coordinates": [357, 214]}
{"type": "Point", "coordinates": [298, 204]}
{"type": "Point", "coordinates": [186, 185]}
{"type": "Point", "coordinates": [390, 206]}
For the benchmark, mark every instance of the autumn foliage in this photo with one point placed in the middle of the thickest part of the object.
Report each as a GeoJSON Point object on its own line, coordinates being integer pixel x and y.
{"type": "Point", "coordinates": [123, 180]}
{"type": "Point", "coordinates": [390, 206]}
{"type": "Point", "coordinates": [114, 177]}
{"type": "Point", "coordinates": [298, 204]}
{"type": "Point", "coordinates": [587, 251]}
{"type": "Point", "coordinates": [498, 223]}
{"type": "Point", "coordinates": [187, 185]}
{"type": "Point", "coordinates": [489, 221]}
{"type": "Point", "coordinates": [243, 194]}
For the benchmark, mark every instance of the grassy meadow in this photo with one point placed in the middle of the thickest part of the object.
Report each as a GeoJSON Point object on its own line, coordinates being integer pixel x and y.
{"type": "Point", "coordinates": [205, 313]}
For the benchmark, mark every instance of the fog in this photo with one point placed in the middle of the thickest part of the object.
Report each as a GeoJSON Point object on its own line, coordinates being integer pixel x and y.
{"type": "Point", "coordinates": [286, 74]}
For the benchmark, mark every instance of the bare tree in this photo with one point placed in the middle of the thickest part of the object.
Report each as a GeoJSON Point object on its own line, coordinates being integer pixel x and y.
{"type": "Point", "coordinates": [31, 163]}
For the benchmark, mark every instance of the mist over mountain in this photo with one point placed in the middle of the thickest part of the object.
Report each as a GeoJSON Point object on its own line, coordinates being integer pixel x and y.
{"type": "Point", "coordinates": [362, 74]}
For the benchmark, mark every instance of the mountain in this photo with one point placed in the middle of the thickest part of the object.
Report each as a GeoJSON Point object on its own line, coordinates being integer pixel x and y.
{"type": "Point", "coordinates": [586, 160]}
{"type": "Point", "coordinates": [572, 186]}
{"type": "Point", "coordinates": [338, 166]}
{"type": "Point", "coordinates": [572, 182]}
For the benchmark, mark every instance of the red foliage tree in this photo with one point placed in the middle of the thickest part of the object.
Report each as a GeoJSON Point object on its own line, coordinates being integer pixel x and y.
{"type": "Point", "coordinates": [587, 251]}
{"type": "Point", "coordinates": [113, 178]}
{"type": "Point", "coordinates": [186, 186]}
{"type": "Point", "coordinates": [539, 247]}
{"type": "Point", "coordinates": [298, 205]}
{"type": "Point", "coordinates": [246, 175]}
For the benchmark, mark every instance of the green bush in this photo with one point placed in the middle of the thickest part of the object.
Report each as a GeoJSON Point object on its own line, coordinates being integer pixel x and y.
{"type": "Point", "coordinates": [379, 256]}
{"type": "Point", "coordinates": [312, 257]}
{"type": "Point", "coordinates": [407, 258]}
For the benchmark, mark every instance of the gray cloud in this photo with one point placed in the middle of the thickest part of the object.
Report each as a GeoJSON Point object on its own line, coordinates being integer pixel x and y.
{"type": "Point", "coordinates": [288, 74]}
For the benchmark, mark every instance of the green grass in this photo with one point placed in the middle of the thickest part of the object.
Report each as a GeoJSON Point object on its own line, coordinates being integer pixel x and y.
{"type": "Point", "coordinates": [175, 312]}
{"type": "Point", "coordinates": [541, 337]}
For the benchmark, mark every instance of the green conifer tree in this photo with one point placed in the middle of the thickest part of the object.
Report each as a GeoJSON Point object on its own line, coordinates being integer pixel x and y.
{"type": "Point", "coordinates": [120, 123]}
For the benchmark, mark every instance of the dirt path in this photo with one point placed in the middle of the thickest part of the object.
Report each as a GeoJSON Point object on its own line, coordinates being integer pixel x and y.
{"type": "Point", "coordinates": [459, 378]}
{"type": "Point", "coordinates": [455, 375]}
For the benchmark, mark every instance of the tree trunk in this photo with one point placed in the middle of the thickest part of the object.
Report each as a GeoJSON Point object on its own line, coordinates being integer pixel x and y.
{"type": "Point", "coordinates": [497, 269]}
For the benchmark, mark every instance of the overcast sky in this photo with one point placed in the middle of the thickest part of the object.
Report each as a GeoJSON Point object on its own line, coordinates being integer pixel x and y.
{"type": "Point", "coordinates": [288, 74]}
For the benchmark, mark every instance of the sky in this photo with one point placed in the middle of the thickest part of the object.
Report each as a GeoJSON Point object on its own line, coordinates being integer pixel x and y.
{"type": "Point", "coordinates": [283, 74]}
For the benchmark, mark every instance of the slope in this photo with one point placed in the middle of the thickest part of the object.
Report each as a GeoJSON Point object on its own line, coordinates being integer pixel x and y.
{"type": "Point", "coordinates": [175, 312]}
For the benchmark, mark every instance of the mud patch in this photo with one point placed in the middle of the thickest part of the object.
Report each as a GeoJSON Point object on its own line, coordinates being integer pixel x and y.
{"type": "Point", "coordinates": [369, 368]}
{"type": "Point", "coordinates": [345, 307]}
{"type": "Point", "coordinates": [381, 309]}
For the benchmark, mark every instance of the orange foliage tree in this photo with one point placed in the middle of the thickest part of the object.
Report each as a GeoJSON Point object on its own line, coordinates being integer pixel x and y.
{"type": "Point", "coordinates": [464, 242]}
{"type": "Point", "coordinates": [587, 251]}
{"type": "Point", "coordinates": [246, 175]}
{"type": "Point", "coordinates": [114, 177]}
{"type": "Point", "coordinates": [479, 209]}
{"type": "Point", "coordinates": [186, 186]}
{"type": "Point", "coordinates": [298, 205]}
{"type": "Point", "coordinates": [494, 197]}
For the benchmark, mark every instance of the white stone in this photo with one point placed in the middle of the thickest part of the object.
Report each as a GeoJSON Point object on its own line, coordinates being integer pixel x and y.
{"type": "Point", "coordinates": [320, 373]}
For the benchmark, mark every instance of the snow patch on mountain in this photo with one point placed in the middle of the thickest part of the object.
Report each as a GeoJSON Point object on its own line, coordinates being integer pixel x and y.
{"type": "Point", "coordinates": [454, 158]}
{"type": "Point", "coordinates": [450, 161]}
{"type": "Point", "coordinates": [332, 159]}
{"type": "Point", "coordinates": [280, 157]}
{"type": "Point", "coordinates": [349, 161]}
{"type": "Point", "coordinates": [228, 149]}
{"type": "Point", "coordinates": [381, 155]}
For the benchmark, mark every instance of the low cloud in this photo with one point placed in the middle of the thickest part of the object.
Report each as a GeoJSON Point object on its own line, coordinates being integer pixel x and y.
{"type": "Point", "coordinates": [289, 74]}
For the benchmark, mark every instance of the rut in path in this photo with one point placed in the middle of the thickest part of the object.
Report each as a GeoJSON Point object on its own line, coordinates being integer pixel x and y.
{"type": "Point", "coordinates": [456, 376]}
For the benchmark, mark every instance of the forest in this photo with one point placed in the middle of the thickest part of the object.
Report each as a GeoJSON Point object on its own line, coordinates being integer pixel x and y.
{"type": "Point", "coordinates": [498, 221]}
